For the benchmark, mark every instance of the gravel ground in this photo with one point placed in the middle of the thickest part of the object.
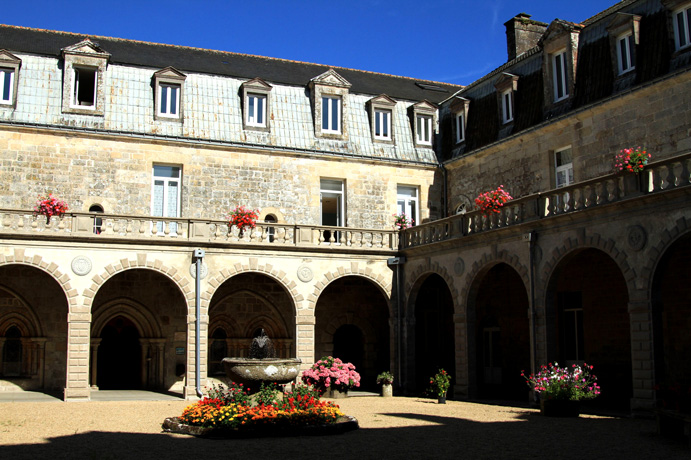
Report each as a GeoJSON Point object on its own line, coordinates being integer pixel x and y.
{"type": "Point", "coordinates": [396, 427]}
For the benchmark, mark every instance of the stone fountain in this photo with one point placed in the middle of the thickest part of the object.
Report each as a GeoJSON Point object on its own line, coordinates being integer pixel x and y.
{"type": "Point", "coordinates": [261, 366]}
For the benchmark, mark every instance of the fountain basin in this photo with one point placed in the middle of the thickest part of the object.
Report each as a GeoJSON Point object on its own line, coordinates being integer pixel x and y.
{"type": "Point", "coordinates": [252, 372]}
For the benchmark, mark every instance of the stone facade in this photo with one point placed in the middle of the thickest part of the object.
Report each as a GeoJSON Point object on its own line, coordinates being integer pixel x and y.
{"type": "Point", "coordinates": [582, 265]}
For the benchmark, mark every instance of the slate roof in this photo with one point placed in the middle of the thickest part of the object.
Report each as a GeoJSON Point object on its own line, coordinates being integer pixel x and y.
{"type": "Point", "coordinates": [197, 60]}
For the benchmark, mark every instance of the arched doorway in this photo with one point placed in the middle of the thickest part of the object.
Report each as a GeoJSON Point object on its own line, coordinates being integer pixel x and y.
{"type": "Point", "coordinates": [352, 323]}
{"type": "Point", "coordinates": [671, 303]}
{"type": "Point", "coordinates": [434, 332]}
{"type": "Point", "coordinates": [588, 321]}
{"type": "Point", "coordinates": [12, 353]}
{"type": "Point", "coordinates": [119, 356]}
{"type": "Point", "coordinates": [499, 329]}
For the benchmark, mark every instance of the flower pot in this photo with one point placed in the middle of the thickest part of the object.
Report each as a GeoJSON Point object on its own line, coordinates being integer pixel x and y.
{"type": "Point", "coordinates": [441, 399]}
{"type": "Point", "coordinates": [387, 390]}
{"type": "Point", "coordinates": [560, 408]}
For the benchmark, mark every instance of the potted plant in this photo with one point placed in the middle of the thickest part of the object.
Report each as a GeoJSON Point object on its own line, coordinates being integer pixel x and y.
{"type": "Point", "coordinates": [439, 385]}
{"type": "Point", "coordinates": [332, 375]}
{"type": "Point", "coordinates": [50, 207]}
{"type": "Point", "coordinates": [561, 388]}
{"type": "Point", "coordinates": [401, 221]}
{"type": "Point", "coordinates": [631, 160]}
{"type": "Point", "coordinates": [243, 218]}
{"type": "Point", "coordinates": [491, 202]}
{"type": "Point", "coordinates": [385, 379]}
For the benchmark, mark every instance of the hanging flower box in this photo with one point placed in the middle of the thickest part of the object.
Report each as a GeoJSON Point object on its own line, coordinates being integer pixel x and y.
{"type": "Point", "coordinates": [242, 218]}
{"type": "Point", "coordinates": [631, 160]}
{"type": "Point", "coordinates": [492, 201]}
{"type": "Point", "coordinates": [50, 207]}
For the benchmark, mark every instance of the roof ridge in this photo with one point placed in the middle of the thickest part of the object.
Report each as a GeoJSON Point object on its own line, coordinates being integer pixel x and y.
{"type": "Point", "coordinates": [233, 53]}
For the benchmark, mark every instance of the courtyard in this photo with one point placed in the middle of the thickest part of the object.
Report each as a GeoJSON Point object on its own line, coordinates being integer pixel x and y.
{"type": "Point", "coordinates": [398, 427]}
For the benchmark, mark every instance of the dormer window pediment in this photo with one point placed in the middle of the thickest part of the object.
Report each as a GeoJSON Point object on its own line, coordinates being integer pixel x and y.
{"type": "Point", "coordinates": [329, 98]}
{"type": "Point", "coordinates": [9, 73]}
{"type": "Point", "coordinates": [256, 103]}
{"type": "Point", "coordinates": [84, 72]}
{"type": "Point", "coordinates": [382, 112]}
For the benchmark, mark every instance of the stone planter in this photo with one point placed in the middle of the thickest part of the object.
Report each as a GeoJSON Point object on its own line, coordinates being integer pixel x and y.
{"type": "Point", "coordinates": [387, 390]}
{"type": "Point", "coordinates": [560, 408]}
{"type": "Point", "coordinates": [333, 393]}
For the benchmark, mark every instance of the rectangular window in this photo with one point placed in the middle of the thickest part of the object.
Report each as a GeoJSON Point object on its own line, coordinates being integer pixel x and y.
{"type": "Point", "coordinates": [6, 85]}
{"type": "Point", "coordinates": [84, 88]}
{"type": "Point", "coordinates": [256, 109]}
{"type": "Point", "coordinates": [382, 124]}
{"type": "Point", "coordinates": [507, 106]}
{"type": "Point", "coordinates": [331, 114]}
{"type": "Point", "coordinates": [563, 162]}
{"type": "Point", "coordinates": [165, 195]}
{"type": "Point", "coordinates": [559, 76]}
{"type": "Point", "coordinates": [682, 35]}
{"type": "Point", "coordinates": [169, 100]}
{"type": "Point", "coordinates": [407, 202]}
{"type": "Point", "coordinates": [625, 53]}
{"type": "Point", "coordinates": [423, 129]}
{"type": "Point", "coordinates": [459, 127]}
{"type": "Point", "coordinates": [332, 212]}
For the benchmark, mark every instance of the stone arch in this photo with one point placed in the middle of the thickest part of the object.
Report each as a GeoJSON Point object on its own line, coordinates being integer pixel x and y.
{"type": "Point", "coordinates": [134, 311]}
{"type": "Point", "coordinates": [337, 321]}
{"type": "Point", "coordinates": [355, 270]}
{"type": "Point", "coordinates": [571, 245]}
{"type": "Point", "coordinates": [28, 323]}
{"type": "Point", "coordinates": [63, 280]}
{"type": "Point", "coordinates": [416, 278]}
{"type": "Point", "coordinates": [227, 323]}
{"type": "Point", "coordinates": [261, 321]}
{"type": "Point", "coordinates": [183, 283]}
{"type": "Point", "coordinates": [485, 263]}
{"type": "Point", "coordinates": [667, 238]}
{"type": "Point", "coordinates": [252, 267]}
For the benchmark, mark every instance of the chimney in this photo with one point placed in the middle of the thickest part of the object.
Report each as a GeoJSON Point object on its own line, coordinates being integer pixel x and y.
{"type": "Point", "coordinates": [522, 34]}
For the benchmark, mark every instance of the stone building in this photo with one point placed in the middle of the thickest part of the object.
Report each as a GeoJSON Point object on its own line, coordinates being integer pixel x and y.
{"type": "Point", "coordinates": [153, 145]}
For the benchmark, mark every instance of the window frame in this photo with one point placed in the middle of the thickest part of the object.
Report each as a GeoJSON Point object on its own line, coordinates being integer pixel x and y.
{"type": "Point", "coordinates": [5, 73]}
{"type": "Point", "coordinates": [408, 203]}
{"type": "Point", "coordinates": [83, 56]}
{"type": "Point", "coordinates": [385, 123]}
{"type": "Point", "coordinates": [168, 99]}
{"type": "Point", "coordinates": [507, 106]}
{"type": "Point", "coordinates": [626, 51]}
{"type": "Point", "coordinates": [10, 65]}
{"type": "Point", "coordinates": [256, 89]}
{"type": "Point", "coordinates": [340, 196]}
{"type": "Point", "coordinates": [565, 168]}
{"type": "Point", "coordinates": [328, 101]}
{"type": "Point", "coordinates": [685, 13]}
{"type": "Point", "coordinates": [563, 82]}
{"type": "Point", "coordinates": [459, 127]}
{"type": "Point", "coordinates": [255, 115]}
{"type": "Point", "coordinates": [166, 196]}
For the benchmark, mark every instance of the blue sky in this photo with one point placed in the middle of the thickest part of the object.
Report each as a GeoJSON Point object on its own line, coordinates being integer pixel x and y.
{"type": "Point", "coordinates": [441, 40]}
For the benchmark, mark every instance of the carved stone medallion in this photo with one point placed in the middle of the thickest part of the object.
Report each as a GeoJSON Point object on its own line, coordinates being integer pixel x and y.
{"type": "Point", "coordinates": [81, 265]}
{"type": "Point", "coordinates": [459, 266]}
{"type": "Point", "coordinates": [305, 273]}
{"type": "Point", "coordinates": [637, 237]}
{"type": "Point", "coordinates": [204, 270]}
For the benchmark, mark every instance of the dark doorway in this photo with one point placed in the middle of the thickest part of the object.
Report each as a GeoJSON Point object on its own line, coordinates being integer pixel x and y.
{"type": "Point", "coordinates": [12, 353]}
{"type": "Point", "coordinates": [349, 345]}
{"type": "Point", "coordinates": [119, 356]}
{"type": "Point", "coordinates": [434, 332]}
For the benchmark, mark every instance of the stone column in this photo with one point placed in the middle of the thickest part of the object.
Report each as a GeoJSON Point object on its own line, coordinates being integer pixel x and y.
{"type": "Point", "coordinates": [78, 347]}
{"type": "Point", "coordinates": [642, 359]}
{"type": "Point", "coordinates": [95, 343]}
{"type": "Point", "coordinates": [305, 337]}
{"type": "Point", "coordinates": [461, 357]}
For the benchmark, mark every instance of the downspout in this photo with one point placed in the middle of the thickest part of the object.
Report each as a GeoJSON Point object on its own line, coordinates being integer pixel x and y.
{"type": "Point", "coordinates": [445, 191]}
{"type": "Point", "coordinates": [198, 257]}
{"type": "Point", "coordinates": [532, 237]}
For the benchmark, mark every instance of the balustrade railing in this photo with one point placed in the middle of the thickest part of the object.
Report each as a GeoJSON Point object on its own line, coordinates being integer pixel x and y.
{"type": "Point", "coordinates": [100, 226]}
{"type": "Point", "coordinates": [656, 177]}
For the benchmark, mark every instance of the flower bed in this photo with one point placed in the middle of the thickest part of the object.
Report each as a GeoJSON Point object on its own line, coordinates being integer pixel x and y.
{"type": "Point", "coordinates": [232, 412]}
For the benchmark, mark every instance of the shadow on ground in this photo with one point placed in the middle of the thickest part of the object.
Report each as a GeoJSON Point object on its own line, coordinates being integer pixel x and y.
{"type": "Point", "coordinates": [528, 436]}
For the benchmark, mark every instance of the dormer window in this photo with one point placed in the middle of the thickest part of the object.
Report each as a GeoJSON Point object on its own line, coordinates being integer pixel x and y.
{"type": "Point", "coordinates": [506, 86]}
{"type": "Point", "coordinates": [168, 99]}
{"type": "Point", "coordinates": [459, 127]}
{"type": "Point", "coordinates": [423, 114]}
{"type": "Point", "coordinates": [84, 77]}
{"type": "Point", "coordinates": [560, 74]}
{"type": "Point", "coordinates": [256, 105]}
{"type": "Point", "coordinates": [682, 31]}
{"type": "Point", "coordinates": [459, 108]}
{"type": "Point", "coordinates": [9, 69]}
{"type": "Point", "coordinates": [625, 53]}
{"type": "Point", "coordinates": [381, 111]}
{"type": "Point", "coordinates": [329, 97]}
